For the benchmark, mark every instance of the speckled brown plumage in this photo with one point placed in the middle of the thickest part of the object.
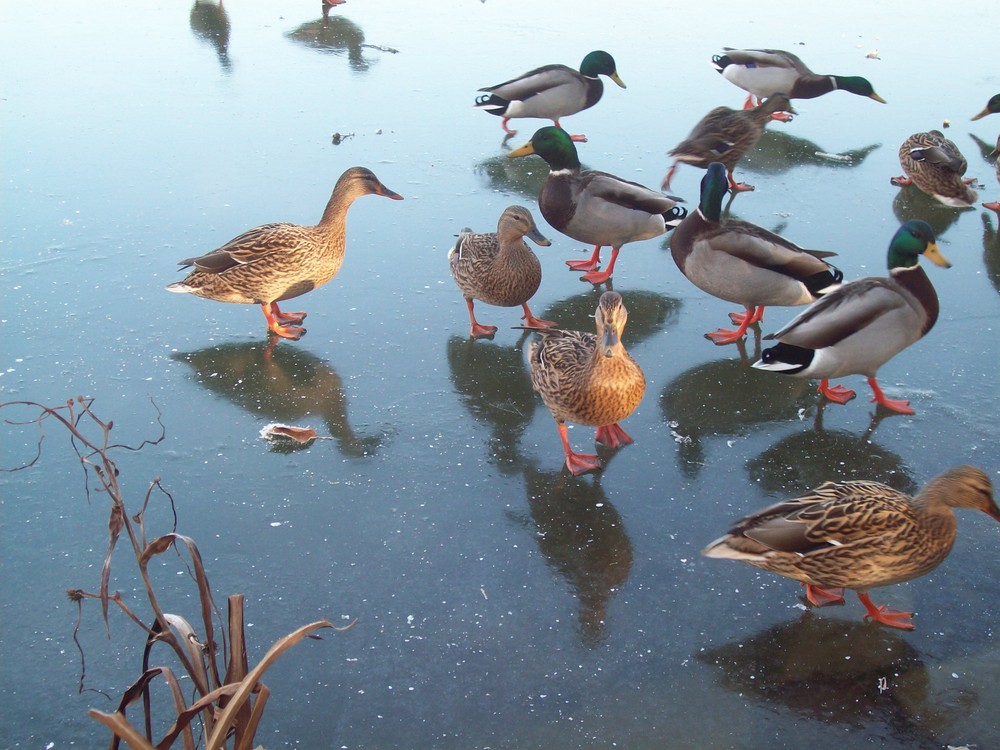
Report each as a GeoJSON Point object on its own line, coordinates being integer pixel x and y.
{"type": "Point", "coordinates": [858, 535]}
{"type": "Point", "coordinates": [725, 135]}
{"type": "Point", "coordinates": [936, 166]}
{"type": "Point", "coordinates": [499, 268]}
{"type": "Point", "coordinates": [275, 262]}
{"type": "Point", "coordinates": [589, 379]}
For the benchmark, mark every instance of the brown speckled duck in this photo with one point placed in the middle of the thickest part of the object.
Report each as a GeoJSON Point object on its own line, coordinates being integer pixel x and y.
{"type": "Point", "coordinates": [275, 262]}
{"type": "Point", "coordinates": [589, 379]}
{"type": "Point", "coordinates": [499, 268]}
{"type": "Point", "coordinates": [724, 135]}
{"type": "Point", "coordinates": [858, 535]}
{"type": "Point", "coordinates": [936, 166]}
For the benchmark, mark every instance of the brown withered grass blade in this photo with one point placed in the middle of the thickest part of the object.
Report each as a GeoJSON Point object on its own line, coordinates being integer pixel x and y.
{"type": "Point", "coordinates": [115, 525]}
{"type": "Point", "coordinates": [226, 719]}
{"type": "Point", "coordinates": [298, 434]}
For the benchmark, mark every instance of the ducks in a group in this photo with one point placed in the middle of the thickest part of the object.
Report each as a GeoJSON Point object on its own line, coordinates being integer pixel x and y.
{"type": "Point", "coordinates": [596, 207]}
{"type": "Point", "coordinates": [858, 327]}
{"type": "Point", "coordinates": [766, 72]}
{"type": "Point", "coordinates": [725, 135]}
{"type": "Point", "coordinates": [274, 262]}
{"type": "Point", "coordinates": [588, 379]}
{"type": "Point", "coordinates": [743, 263]}
{"type": "Point", "coordinates": [934, 164]}
{"type": "Point", "coordinates": [991, 108]}
{"type": "Point", "coordinates": [858, 535]}
{"type": "Point", "coordinates": [551, 91]}
{"type": "Point", "coordinates": [499, 268]}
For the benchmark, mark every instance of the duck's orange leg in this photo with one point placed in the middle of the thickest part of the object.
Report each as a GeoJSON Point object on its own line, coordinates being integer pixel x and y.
{"type": "Point", "coordinates": [901, 181]}
{"type": "Point", "coordinates": [837, 393]}
{"type": "Point", "coordinates": [478, 331]}
{"type": "Point", "coordinates": [590, 264]}
{"type": "Point", "coordinates": [821, 597]}
{"type": "Point", "coordinates": [612, 436]}
{"type": "Point", "coordinates": [744, 320]}
{"type": "Point", "coordinates": [503, 124]}
{"type": "Point", "coordinates": [665, 185]}
{"type": "Point", "coordinates": [578, 463]}
{"type": "Point", "coordinates": [602, 277]}
{"type": "Point", "coordinates": [578, 138]}
{"type": "Point", "coordinates": [283, 324]}
{"type": "Point", "coordinates": [894, 618]}
{"type": "Point", "coordinates": [993, 206]}
{"type": "Point", "coordinates": [738, 187]}
{"type": "Point", "coordinates": [530, 321]}
{"type": "Point", "coordinates": [897, 405]}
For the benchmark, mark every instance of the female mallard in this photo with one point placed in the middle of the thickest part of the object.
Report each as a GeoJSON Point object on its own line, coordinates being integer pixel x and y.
{"type": "Point", "coordinates": [766, 72]}
{"type": "Point", "coordinates": [935, 165]}
{"type": "Point", "coordinates": [995, 156]}
{"type": "Point", "coordinates": [991, 108]}
{"type": "Point", "coordinates": [275, 262]}
{"type": "Point", "coordinates": [858, 535]}
{"type": "Point", "coordinates": [596, 207]}
{"type": "Point", "coordinates": [741, 262]}
{"type": "Point", "coordinates": [551, 92]}
{"type": "Point", "coordinates": [858, 327]}
{"type": "Point", "coordinates": [499, 267]}
{"type": "Point", "coordinates": [588, 379]}
{"type": "Point", "coordinates": [724, 135]}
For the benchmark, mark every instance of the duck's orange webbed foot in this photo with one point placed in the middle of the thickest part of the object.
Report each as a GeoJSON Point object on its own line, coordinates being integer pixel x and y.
{"type": "Point", "coordinates": [836, 393]}
{"type": "Point", "coordinates": [894, 618]}
{"type": "Point", "coordinates": [822, 597]}
{"type": "Point", "coordinates": [612, 436]}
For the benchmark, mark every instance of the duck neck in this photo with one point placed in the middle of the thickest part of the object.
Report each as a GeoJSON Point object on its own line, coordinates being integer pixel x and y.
{"type": "Point", "coordinates": [915, 281]}
{"type": "Point", "coordinates": [335, 214]}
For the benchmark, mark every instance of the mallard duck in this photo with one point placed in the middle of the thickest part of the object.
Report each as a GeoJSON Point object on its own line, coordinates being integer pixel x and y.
{"type": "Point", "coordinates": [596, 207]}
{"type": "Point", "coordinates": [858, 327]}
{"type": "Point", "coordinates": [858, 535]}
{"type": "Point", "coordinates": [724, 135]}
{"type": "Point", "coordinates": [275, 262]}
{"type": "Point", "coordinates": [935, 165]}
{"type": "Point", "coordinates": [499, 267]}
{"type": "Point", "coordinates": [588, 379]}
{"type": "Point", "coordinates": [741, 262]}
{"type": "Point", "coordinates": [995, 156]}
{"type": "Point", "coordinates": [551, 91]}
{"type": "Point", "coordinates": [766, 72]}
{"type": "Point", "coordinates": [991, 108]}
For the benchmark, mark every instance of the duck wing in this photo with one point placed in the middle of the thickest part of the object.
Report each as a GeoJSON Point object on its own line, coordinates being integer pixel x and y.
{"type": "Point", "coordinates": [767, 58]}
{"type": "Point", "coordinates": [251, 246]}
{"type": "Point", "coordinates": [534, 82]}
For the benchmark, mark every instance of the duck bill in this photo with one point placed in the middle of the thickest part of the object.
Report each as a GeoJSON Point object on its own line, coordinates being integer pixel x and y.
{"type": "Point", "coordinates": [934, 256]}
{"type": "Point", "coordinates": [877, 98]}
{"type": "Point", "coordinates": [387, 193]}
{"type": "Point", "coordinates": [982, 114]}
{"type": "Point", "coordinates": [609, 342]}
{"type": "Point", "coordinates": [526, 150]}
{"type": "Point", "coordinates": [614, 77]}
{"type": "Point", "coordinates": [538, 238]}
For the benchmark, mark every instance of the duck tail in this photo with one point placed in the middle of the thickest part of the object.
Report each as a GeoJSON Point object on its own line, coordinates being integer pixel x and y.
{"type": "Point", "coordinates": [492, 103]}
{"type": "Point", "coordinates": [824, 282]}
{"type": "Point", "coordinates": [674, 216]}
{"type": "Point", "coordinates": [785, 358]}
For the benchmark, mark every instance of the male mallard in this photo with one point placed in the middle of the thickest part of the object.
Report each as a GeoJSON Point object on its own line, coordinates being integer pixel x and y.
{"type": "Point", "coordinates": [499, 267]}
{"type": "Point", "coordinates": [858, 535]}
{"type": "Point", "coordinates": [275, 262]}
{"type": "Point", "coordinates": [995, 156]}
{"type": "Point", "coordinates": [741, 262]}
{"type": "Point", "coordinates": [991, 108]}
{"type": "Point", "coordinates": [724, 135]}
{"type": "Point", "coordinates": [595, 207]}
{"type": "Point", "coordinates": [766, 72]}
{"type": "Point", "coordinates": [551, 91]}
{"type": "Point", "coordinates": [860, 326]}
{"type": "Point", "coordinates": [935, 165]}
{"type": "Point", "coordinates": [588, 379]}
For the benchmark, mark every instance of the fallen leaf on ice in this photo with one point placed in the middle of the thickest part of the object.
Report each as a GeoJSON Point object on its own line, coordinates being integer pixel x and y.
{"type": "Point", "coordinates": [298, 434]}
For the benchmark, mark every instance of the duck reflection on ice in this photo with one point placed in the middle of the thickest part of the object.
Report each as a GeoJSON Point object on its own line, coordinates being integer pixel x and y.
{"type": "Point", "coordinates": [913, 203]}
{"type": "Point", "coordinates": [281, 383]}
{"type": "Point", "coordinates": [991, 251]}
{"type": "Point", "coordinates": [726, 397]}
{"type": "Point", "coordinates": [832, 671]}
{"type": "Point", "coordinates": [778, 152]}
{"type": "Point", "coordinates": [583, 539]}
{"type": "Point", "coordinates": [494, 385]}
{"type": "Point", "coordinates": [210, 22]}
{"type": "Point", "coordinates": [335, 35]}
{"type": "Point", "coordinates": [803, 460]}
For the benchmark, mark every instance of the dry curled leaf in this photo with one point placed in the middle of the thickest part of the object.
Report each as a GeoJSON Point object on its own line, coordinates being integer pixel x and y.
{"type": "Point", "coordinates": [301, 435]}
